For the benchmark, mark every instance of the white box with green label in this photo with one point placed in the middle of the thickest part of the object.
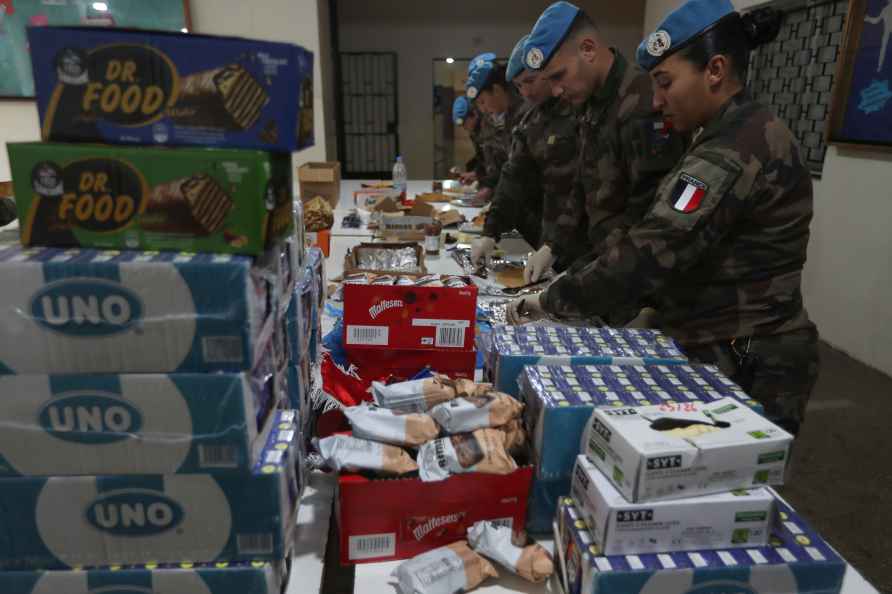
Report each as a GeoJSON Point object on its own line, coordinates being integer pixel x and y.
{"type": "Point", "coordinates": [734, 519]}
{"type": "Point", "coordinates": [673, 451]}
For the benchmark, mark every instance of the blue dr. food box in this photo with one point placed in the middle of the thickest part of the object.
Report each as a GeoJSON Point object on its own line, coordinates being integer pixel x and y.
{"type": "Point", "coordinates": [797, 561]}
{"type": "Point", "coordinates": [78, 521]}
{"type": "Point", "coordinates": [560, 400]}
{"type": "Point", "coordinates": [510, 348]}
{"type": "Point", "coordinates": [143, 87]}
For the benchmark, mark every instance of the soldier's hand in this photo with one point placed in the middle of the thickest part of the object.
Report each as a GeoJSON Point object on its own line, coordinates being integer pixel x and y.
{"type": "Point", "coordinates": [468, 178]}
{"type": "Point", "coordinates": [483, 196]}
{"type": "Point", "coordinates": [481, 249]}
{"type": "Point", "coordinates": [538, 263]}
{"type": "Point", "coordinates": [524, 310]}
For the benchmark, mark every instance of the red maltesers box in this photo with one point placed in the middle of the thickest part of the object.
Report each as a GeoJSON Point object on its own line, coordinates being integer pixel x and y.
{"type": "Point", "coordinates": [407, 363]}
{"type": "Point", "coordinates": [389, 519]}
{"type": "Point", "coordinates": [410, 317]}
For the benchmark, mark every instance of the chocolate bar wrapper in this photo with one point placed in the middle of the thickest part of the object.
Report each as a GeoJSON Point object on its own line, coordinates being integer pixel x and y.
{"type": "Point", "coordinates": [381, 424]}
{"type": "Point", "coordinates": [532, 562]}
{"type": "Point", "coordinates": [229, 96]}
{"type": "Point", "coordinates": [466, 414]}
{"type": "Point", "coordinates": [481, 451]}
{"type": "Point", "coordinates": [447, 570]}
{"type": "Point", "coordinates": [342, 452]}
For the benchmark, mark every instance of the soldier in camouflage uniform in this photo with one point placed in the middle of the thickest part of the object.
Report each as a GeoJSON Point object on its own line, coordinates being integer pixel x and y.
{"type": "Point", "coordinates": [538, 177]}
{"type": "Point", "coordinates": [723, 246]}
{"type": "Point", "coordinates": [625, 147]}
{"type": "Point", "coordinates": [466, 115]}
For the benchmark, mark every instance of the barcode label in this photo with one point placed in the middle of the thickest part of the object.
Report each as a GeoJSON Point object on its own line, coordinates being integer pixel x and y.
{"type": "Point", "coordinates": [222, 349]}
{"type": "Point", "coordinates": [255, 544]}
{"type": "Point", "coordinates": [369, 546]}
{"type": "Point", "coordinates": [217, 456]}
{"type": "Point", "coordinates": [450, 337]}
{"type": "Point", "coordinates": [369, 335]}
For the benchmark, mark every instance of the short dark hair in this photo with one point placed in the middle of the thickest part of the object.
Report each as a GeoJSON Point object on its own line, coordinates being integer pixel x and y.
{"type": "Point", "coordinates": [581, 24]}
{"type": "Point", "coordinates": [496, 77]}
{"type": "Point", "coordinates": [734, 36]}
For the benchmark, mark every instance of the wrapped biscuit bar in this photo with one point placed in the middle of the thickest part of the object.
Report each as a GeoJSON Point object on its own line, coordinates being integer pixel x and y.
{"type": "Point", "coordinates": [227, 97]}
{"type": "Point", "coordinates": [342, 452]}
{"type": "Point", "coordinates": [447, 570]}
{"type": "Point", "coordinates": [466, 414]}
{"type": "Point", "coordinates": [429, 280]}
{"type": "Point", "coordinates": [382, 424]}
{"type": "Point", "coordinates": [384, 280]}
{"type": "Point", "coordinates": [532, 562]}
{"type": "Point", "coordinates": [195, 204]}
{"type": "Point", "coordinates": [481, 451]}
{"type": "Point", "coordinates": [414, 396]}
{"type": "Point", "coordinates": [356, 279]}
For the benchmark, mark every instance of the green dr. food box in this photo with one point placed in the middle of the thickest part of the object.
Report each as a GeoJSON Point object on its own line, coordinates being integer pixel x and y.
{"type": "Point", "coordinates": [183, 199]}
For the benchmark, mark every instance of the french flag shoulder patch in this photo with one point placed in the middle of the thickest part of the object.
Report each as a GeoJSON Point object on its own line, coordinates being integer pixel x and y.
{"type": "Point", "coordinates": [688, 194]}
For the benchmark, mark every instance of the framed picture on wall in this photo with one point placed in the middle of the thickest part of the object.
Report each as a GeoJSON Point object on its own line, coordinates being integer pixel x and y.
{"type": "Point", "coordinates": [16, 81]}
{"type": "Point", "coordinates": [862, 101]}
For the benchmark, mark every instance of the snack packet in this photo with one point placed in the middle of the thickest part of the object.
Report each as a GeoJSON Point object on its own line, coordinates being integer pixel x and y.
{"type": "Point", "coordinates": [466, 414]}
{"type": "Point", "coordinates": [533, 563]}
{"type": "Point", "coordinates": [515, 436]}
{"type": "Point", "coordinates": [342, 452]}
{"type": "Point", "coordinates": [480, 451]}
{"type": "Point", "coordinates": [447, 570]}
{"type": "Point", "coordinates": [318, 214]}
{"type": "Point", "coordinates": [415, 395]}
{"type": "Point", "coordinates": [382, 424]}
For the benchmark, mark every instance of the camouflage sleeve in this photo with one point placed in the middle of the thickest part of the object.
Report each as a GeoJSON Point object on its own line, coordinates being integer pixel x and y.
{"type": "Point", "coordinates": [479, 160]}
{"type": "Point", "coordinates": [694, 209]}
{"type": "Point", "coordinates": [496, 152]}
{"type": "Point", "coordinates": [629, 170]}
{"type": "Point", "coordinates": [7, 211]}
{"type": "Point", "coordinates": [514, 188]}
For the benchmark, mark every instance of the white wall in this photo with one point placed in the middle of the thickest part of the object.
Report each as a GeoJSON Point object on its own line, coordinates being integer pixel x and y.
{"type": "Point", "coordinates": [295, 21]}
{"type": "Point", "coordinates": [848, 278]}
{"type": "Point", "coordinates": [422, 31]}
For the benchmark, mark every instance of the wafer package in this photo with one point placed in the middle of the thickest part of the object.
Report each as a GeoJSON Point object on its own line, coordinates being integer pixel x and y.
{"type": "Point", "coordinates": [448, 570]}
{"type": "Point", "coordinates": [89, 311]}
{"type": "Point", "coordinates": [145, 87]}
{"type": "Point", "coordinates": [481, 451]}
{"type": "Point", "coordinates": [342, 452]}
{"type": "Point", "coordinates": [465, 414]}
{"type": "Point", "coordinates": [381, 424]}
{"type": "Point", "coordinates": [531, 562]}
{"type": "Point", "coordinates": [188, 199]}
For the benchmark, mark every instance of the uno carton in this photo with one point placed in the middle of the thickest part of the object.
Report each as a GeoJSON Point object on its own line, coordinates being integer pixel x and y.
{"type": "Point", "coordinates": [195, 578]}
{"type": "Point", "coordinates": [59, 522]}
{"type": "Point", "coordinates": [733, 519]}
{"type": "Point", "coordinates": [410, 317]}
{"type": "Point", "coordinates": [188, 199]}
{"type": "Point", "coordinates": [146, 87]}
{"type": "Point", "coordinates": [560, 400]}
{"type": "Point", "coordinates": [88, 311]}
{"type": "Point", "coordinates": [672, 451]}
{"type": "Point", "coordinates": [796, 561]}
{"type": "Point", "coordinates": [133, 423]}
{"type": "Point", "coordinates": [512, 348]}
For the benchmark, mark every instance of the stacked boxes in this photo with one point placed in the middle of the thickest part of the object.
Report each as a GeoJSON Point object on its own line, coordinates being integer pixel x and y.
{"type": "Point", "coordinates": [141, 422]}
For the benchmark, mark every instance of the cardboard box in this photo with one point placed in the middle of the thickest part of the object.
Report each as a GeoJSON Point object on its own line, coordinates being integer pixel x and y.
{"type": "Point", "coordinates": [353, 261]}
{"type": "Point", "coordinates": [560, 399]}
{"type": "Point", "coordinates": [189, 199]}
{"type": "Point", "coordinates": [410, 317]}
{"type": "Point", "coordinates": [741, 449]}
{"type": "Point", "coordinates": [88, 311]}
{"type": "Point", "coordinates": [403, 227]}
{"type": "Point", "coordinates": [59, 522]}
{"type": "Point", "coordinates": [406, 363]}
{"type": "Point", "coordinates": [511, 348]}
{"type": "Point", "coordinates": [378, 522]}
{"type": "Point", "coordinates": [186, 577]}
{"type": "Point", "coordinates": [798, 561]}
{"type": "Point", "coordinates": [145, 87]}
{"type": "Point", "coordinates": [733, 519]}
{"type": "Point", "coordinates": [133, 424]}
{"type": "Point", "coordinates": [320, 179]}
{"type": "Point", "coordinates": [544, 498]}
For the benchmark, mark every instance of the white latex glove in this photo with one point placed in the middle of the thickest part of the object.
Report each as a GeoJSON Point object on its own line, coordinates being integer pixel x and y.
{"type": "Point", "coordinates": [538, 263]}
{"type": "Point", "coordinates": [524, 310]}
{"type": "Point", "coordinates": [481, 249]}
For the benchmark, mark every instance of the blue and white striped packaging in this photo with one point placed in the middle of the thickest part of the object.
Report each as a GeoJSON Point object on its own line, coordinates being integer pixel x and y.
{"type": "Point", "coordinates": [513, 347]}
{"type": "Point", "coordinates": [62, 522]}
{"type": "Point", "coordinates": [798, 561]}
{"type": "Point", "coordinates": [89, 311]}
{"type": "Point", "coordinates": [560, 399]}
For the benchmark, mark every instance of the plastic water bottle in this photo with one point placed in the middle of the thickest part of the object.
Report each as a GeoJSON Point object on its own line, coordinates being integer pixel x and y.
{"type": "Point", "coordinates": [400, 177]}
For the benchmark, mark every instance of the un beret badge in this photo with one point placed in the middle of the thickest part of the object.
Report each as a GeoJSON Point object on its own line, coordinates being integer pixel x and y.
{"type": "Point", "coordinates": [658, 43]}
{"type": "Point", "coordinates": [535, 58]}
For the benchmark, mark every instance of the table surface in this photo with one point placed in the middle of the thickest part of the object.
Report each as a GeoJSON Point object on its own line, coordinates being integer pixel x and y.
{"type": "Point", "coordinates": [308, 566]}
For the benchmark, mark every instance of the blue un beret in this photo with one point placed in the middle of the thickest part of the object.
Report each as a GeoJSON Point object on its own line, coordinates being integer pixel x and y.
{"type": "Point", "coordinates": [460, 110]}
{"type": "Point", "coordinates": [680, 27]}
{"type": "Point", "coordinates": [478, 79]}
{"type": "Point", "coordinates": [481, 60]}
{"type": "Point", "coordinates": [515, 62]}
{"type": "Point", "coordinates": [548, 34]}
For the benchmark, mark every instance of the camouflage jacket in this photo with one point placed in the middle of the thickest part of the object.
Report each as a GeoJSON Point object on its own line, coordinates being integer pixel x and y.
{"type": "Point", "coordinates": [538, 178]}
{"type": "Point", "coordinates": [495, 141]}
{"type": "Point", "coordinates": [626, 149]}
{"type": "Point", "coordinates": [722, 248]}
{"type": "Point", "coordinates": [477, 164]}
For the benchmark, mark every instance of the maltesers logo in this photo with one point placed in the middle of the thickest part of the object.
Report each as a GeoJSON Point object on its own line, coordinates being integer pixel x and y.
{"type": "Point", "coordinates": [379, 308]}
{"type": "Point", "coordinates": [438, 523]}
